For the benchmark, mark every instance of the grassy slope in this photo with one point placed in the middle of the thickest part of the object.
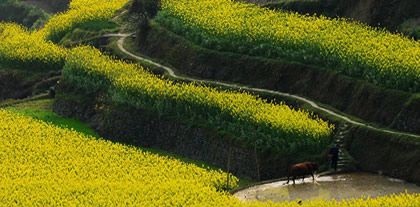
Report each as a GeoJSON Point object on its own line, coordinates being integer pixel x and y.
{"type": "Point", "coordinates": [89, 34]}
{"type": "Point", "coordinates": [42, 110]}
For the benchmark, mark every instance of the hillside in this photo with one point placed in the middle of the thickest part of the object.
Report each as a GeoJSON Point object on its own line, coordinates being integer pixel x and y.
{"type": "Point", "coordinates": [184, 103]}
{"type": "Point", "coordinates": [401, 16]}
{"type": "Point", "coordinates": [48, 5]}
{"type": "Point", "coordinates": [240, 47]}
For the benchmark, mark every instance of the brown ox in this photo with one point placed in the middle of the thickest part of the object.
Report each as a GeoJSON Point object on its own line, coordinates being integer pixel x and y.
{"type": "Point", "coordinates": [302, 169]}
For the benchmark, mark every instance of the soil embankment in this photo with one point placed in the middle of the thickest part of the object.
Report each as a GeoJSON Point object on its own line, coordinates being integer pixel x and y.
{"type": "Point", "coordinates": [374, 150]}
{"type": "Point", "coordinates": [396, 156]}
{"type": "Point", "coordinates": [19, 84]}
{"type": "Point", "coordinates": [398, 15]}
{"type": "Point", "coordinates": [50, 6]}
{"type": "Point", "coordinates": [390, 108]}
{"type": "Point", "coordinates": [139, 127]}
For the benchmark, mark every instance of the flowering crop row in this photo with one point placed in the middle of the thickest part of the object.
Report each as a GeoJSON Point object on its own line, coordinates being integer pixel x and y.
{"type": "Point", "coordinates": [272, 127]}
{"type": "Point", "coordinates": [20, 48]}
{"type": "Point", "coordinates": [231, 109]}
{"type": "Point", "coordinates": [80, 12]}
{"type": "Point", "coordinates": [32, 50]}
{"type": "Point", "coordinates": [43, 165]}
{"type": "Point", "coordinates": [348, 47]}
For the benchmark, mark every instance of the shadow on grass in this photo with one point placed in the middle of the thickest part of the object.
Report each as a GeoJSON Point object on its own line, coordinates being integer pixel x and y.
{"type": "Point", "coordinates": [42, 110]}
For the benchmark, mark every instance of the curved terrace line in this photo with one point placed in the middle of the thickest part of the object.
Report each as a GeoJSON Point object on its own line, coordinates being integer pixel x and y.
{"type": "Point", "coordinates": [120, 44]}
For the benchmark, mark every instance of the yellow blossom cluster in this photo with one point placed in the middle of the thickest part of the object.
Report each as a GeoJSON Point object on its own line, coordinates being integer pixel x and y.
{"type": "Point", "coordinates": [25, 49]}
{"type": "Point", "coordinates": [19, 48]}
{"type": "Point", "coordinates": [80, 12]}
{"type": "Point", "coordinates": [272, 126]}
{"type": "Point", "coordinates": [45, 165]}
{"type": "Point", "coordinates": [354, 49]}
{"type": "Point", "coordinates": [42, 165]}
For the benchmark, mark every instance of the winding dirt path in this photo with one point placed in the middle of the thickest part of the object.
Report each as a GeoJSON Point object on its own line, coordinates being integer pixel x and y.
{"type": "Point", "coordinates": [171, 73]}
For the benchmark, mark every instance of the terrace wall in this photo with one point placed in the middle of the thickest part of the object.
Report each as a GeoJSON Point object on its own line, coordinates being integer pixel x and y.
{"type": "Point", "coordinates": [135, 126]}
{"type": "Point", "coordinates": [391, 108]}
{"type": "Point", "coordinates": [380, 13]}
{"type": "Point", "coordinates": [392, 155]}
{"type": "Point", "coordinates": [19, 84]}
{"type": "Point", "coordinates": [395, 156]}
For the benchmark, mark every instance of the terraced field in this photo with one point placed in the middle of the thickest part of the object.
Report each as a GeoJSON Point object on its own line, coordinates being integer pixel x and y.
{"type": "Point", "coordinates": [20, 48]}
{"type": "Point", "coordinates": [80, 12]}
{"type": "Point", "coordinates": [276, 127]}
{"type": "Point", "coordinates": [43, 165]}
{"type": "Point", "coordinates": [350, 48]}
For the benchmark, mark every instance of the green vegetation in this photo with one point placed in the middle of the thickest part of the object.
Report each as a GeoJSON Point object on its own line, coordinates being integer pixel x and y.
{"type": "Point", "coordinates": [99, 26]}
{"type": "Point", "coordinates": [16, 11]}
{"type": "Point", "coordinates": [271, 127]}
{"type": "Point", "coordinates": [146, 7]}
{"type": "Point", "coordinates": [88, 34]}
{"type": "Point", "coordinates": [45, 165]}
{"type": "Point", "coordinates": [84, 13]}
{"type": "Point", "coordinates": [411, 27]}
{"type": "Point", "coordinates": [300, 6]}
{"type": "Point", "coordinates": [19, 48]}
{"type": "Point", "coordinates": [350, 48]}
{"type": "Point", "coordinates": [42, 110]}
{"type": "Point", "coordinates": [49, 6]}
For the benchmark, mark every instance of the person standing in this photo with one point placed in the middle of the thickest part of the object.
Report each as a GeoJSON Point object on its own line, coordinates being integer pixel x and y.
{"type": "Point", "coordinates": [333, 154]}
{"type": "Point", "coordinates": [51, 92]}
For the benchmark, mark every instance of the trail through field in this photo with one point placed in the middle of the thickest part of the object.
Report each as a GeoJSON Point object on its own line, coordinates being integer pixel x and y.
{"type": "Point", "coordinates": [338, 187]}
{"type": "Point", "coordinates": [123, 37]}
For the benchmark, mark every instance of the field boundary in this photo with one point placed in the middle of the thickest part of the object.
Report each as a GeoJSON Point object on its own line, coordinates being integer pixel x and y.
{"type": "Point", "coordinates": [171, 73]}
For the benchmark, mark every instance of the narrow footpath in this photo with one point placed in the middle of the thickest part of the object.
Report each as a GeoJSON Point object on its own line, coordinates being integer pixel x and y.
{"type": "Point", "coordinates": [170, 72]}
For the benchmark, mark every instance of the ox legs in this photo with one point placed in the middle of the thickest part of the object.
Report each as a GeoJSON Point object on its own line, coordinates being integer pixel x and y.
{"type": "Point", "coordinates": [293, 179]}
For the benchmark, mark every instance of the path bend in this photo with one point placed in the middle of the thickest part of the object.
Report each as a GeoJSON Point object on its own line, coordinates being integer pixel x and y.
{"type": "Point", "coordinates": [170, 71]}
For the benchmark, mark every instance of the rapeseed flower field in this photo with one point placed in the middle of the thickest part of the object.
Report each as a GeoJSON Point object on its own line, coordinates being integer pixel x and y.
{"type": "Point", "coordinates": [80, 12]}
{"type": "Point", "coordinates": [351, 48]}
{"type": "Point", "coordinates": [43, 165]}
{"type": "Point", "coordinates": [20, 48]}
{"type": "Point", "coordinates": [274, 127]}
